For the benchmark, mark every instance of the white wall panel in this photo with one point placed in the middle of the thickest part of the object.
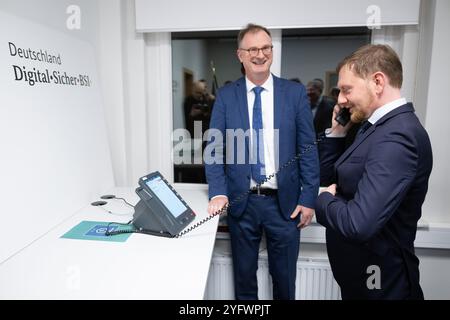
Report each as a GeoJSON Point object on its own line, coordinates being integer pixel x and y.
{"type": "Point", "coordinates": [55, 153]}
{"type": "Point", "coordinates": [174, 15]}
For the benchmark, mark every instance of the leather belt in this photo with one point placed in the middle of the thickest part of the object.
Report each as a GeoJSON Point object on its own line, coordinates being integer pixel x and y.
{"type": "Point", "coordinates": [264, 191]}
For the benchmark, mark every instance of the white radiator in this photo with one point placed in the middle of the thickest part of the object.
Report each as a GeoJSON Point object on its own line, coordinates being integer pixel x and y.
{"type": "Point", "coordinates": [314, 279]}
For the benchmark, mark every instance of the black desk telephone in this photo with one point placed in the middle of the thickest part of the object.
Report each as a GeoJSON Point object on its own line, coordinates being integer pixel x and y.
{"type": "Point", "coordinates": [161, 210]}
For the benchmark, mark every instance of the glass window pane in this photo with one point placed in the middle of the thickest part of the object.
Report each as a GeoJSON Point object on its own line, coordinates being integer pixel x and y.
{"type": "Point", "coordinates": [201, 63]}
{"type": "Point", "coordinates": [204, 61]}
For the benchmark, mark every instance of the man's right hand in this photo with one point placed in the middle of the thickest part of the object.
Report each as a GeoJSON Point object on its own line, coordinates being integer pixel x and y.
{"type": "Point", "coordinates": [336, 128]}
{"type": "Point", "coordinates": [216, 204]}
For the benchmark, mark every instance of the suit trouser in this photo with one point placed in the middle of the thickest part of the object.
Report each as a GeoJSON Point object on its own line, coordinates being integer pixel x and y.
{"type": "Point", "coordinates": [283, 242]}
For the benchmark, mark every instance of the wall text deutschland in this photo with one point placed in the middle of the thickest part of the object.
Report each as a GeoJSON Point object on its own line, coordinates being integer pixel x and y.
{"type": "Point", "coordinates": [38, 55]}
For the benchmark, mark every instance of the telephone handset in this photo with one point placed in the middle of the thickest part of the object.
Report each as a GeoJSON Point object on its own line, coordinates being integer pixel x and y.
{"type": "Point", "coordinates": [343, 116]}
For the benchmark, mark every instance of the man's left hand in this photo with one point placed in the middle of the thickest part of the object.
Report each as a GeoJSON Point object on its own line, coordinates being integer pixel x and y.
{"type": "Point", "coordinates": [306, 216]}
{"type": "Point", "coordinates": [331, 189]}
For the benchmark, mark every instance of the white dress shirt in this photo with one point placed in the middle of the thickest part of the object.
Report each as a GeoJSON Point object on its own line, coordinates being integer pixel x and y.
{"type": "Point", "coordinates": [384, 110]}
{"type": "Point", "coordinates": [267, 107]}
{"type": "Point", "coordinates": [316, 106]}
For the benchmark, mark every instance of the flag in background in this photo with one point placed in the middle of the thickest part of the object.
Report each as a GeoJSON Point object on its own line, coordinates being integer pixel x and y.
{"type": "Point", "coordinates": [214, 86]}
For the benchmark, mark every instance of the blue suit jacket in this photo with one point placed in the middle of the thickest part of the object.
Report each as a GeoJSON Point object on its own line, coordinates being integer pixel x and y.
{"type": "Point", "coordinates": [382, 181]}
{"type": "Point", "coordinates": [298, 183]}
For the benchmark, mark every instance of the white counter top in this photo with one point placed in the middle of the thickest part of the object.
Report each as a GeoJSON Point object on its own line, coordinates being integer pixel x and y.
{"type": "Point", "coordinates": [143, 267]}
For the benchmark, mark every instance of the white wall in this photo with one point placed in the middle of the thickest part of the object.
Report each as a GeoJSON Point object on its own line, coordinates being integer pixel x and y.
{"type": "Point", "coordinates": [154, 16]}
{"type": "Point", "coordinates": [405, 41]}
{"type": "Point", "coordinates": [55, 152]}
{"type": "Point", "coordinates": [426, 29]}
{"type": "Point", "coordinates": [111, 81]}
{"type": "Point", "coordinates": [136, 78]}
{"type": "Point", "coordinates": [309, 58]}
{"type": "Point", "coordinates": [52, 13]}
{"type": "Point", "coordinates": [124, 85]}
{"type": "Point", "coordinates": [438, 113]}
{"type": "Point", "coordinates": [434, 279]}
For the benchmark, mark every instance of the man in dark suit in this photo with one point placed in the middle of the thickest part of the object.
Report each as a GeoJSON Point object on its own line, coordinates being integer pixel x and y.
{"type": "Point", "coordinates": [322, 111]}
{"type": "Point", "coordinates": [371, 213]}
{"type": "Point", "coordinates": [278, 115]}
{"type": "Point", "coordinates": [321, 106]}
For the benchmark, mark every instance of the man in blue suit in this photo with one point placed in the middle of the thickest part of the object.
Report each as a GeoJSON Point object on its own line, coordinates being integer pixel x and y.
{"type": "Point", "coordinates": [381, 180]}
{"type": "Point", "coordinates": [279, 116]}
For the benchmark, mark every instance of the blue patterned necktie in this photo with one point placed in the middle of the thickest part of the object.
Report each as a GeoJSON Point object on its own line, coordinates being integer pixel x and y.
{"type": "Point", "coordinates": [258, 138]}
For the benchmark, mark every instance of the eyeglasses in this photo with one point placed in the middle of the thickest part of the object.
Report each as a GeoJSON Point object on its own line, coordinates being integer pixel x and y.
{"type": "Point", "coordinates": [254, 51]}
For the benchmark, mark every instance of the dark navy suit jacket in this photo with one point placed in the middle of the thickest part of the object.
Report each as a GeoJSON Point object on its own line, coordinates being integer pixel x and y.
{"type": "Point", "coordinates": [324, 113]}
{"type": "Point", "coordinates": [382, 181]}
{"type": "Point", "coordinates": [298, 183]}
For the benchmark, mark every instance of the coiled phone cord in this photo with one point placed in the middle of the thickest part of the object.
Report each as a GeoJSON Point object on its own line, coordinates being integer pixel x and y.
{"type": "Point", "coordinates": [220, 211]}
{"type": "Point", "coordinates": [245, 194]}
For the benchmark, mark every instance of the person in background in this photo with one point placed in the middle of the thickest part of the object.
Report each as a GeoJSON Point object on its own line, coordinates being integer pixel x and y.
{"type": "Point", "coordinates": [197, 107]}
{"type": "Point", "coordinates": [334, 93]}
{"type": "Point", "coordinates": [321, 106]}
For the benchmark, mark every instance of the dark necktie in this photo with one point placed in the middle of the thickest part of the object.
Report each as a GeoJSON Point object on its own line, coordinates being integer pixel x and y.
{"type": "Point", "coordinates": [258, 139]}
{"type": "Point", "coordinates": [364, 126]}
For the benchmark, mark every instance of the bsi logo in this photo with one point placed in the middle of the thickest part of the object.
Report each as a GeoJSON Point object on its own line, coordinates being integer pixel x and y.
{"type": "Point", "coordinates": [374, 280]}
{"type": "Point", "coordinates": [73, 22]}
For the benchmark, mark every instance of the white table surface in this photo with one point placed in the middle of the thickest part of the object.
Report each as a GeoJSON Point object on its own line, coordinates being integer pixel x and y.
{"type": "Point", "coordinates": [143, 267]}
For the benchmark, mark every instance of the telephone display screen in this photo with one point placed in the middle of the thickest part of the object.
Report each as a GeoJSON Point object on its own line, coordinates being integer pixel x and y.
{"type": "Point", "coordinates": [167, 197]}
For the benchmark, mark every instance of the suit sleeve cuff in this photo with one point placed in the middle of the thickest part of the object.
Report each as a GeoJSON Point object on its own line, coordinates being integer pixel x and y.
{"type": "Point", "coordinates": [330, 134]}
{"type": "Point", "coordinates": [219, 195]}
{"type": "Point", "coordinates": [322, 202]}
{"type": "Point", "coordinates": [309, 203]}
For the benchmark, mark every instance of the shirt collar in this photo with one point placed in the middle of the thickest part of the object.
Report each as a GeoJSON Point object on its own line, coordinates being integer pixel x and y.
{"type": "Point", "coordinates": [383, 110]}
{"type": "Point", "coordinates": [268, 85]}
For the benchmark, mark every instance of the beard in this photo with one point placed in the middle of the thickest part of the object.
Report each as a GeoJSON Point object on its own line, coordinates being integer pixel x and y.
{"type": "Point", "coordinates": [359, 113]}
{"type": "Point", "coordinates": [358, 116]}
